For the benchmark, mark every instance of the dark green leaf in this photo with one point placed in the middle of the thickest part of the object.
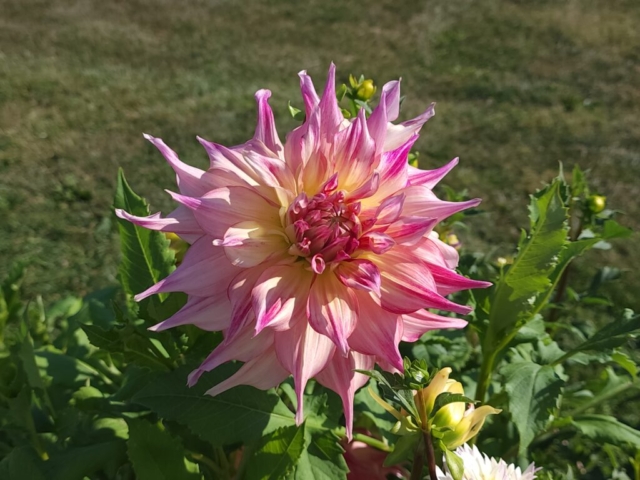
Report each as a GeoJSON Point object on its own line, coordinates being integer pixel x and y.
{"type": "Point", "coordinates": [403, 449]}
{"type": "Point", "coordinates": [146, 256]}
{"type": "Point", "coordinates": [156, 455]}
{"type": "Point", "coordinates": [22, 464]}
{"type": "Point", "coordinates": [276, 454]}
{"type": "Point", "coordinates": [603, 428]}
{"type": "Point", "coordinates": [238, 415]}
{"type": "Point", "coordinates": [79, 462]}
{"type": "Point", "coordinates": [322, 460]}
{"type": "Point", "coordinates": [533, 393]}
{"type": "Point", "coordinates": [518, 289]}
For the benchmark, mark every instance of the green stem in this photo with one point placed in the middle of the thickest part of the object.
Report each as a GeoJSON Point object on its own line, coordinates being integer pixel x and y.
{"type": "Point", "coordinates": [430, 454]}
{"type": "Point", "coordinates": [418, 462]}
{"type": "Point", "coordinates": [372, 442]}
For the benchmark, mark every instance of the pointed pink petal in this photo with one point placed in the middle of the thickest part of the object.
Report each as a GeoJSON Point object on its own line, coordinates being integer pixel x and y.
{"type": "Point", "coordinates": [355, 159]}
{"type": "Point", "coordinates": [367, 189]}
{"type": "Point", "coordinates": [399, 134]}
{"type": "Point", "coordinates": [239, 293]}
{"type": "Point", "coordinates": [359, 274]}
{"type": "Point", "coordinates": [309, 95]}
{"type": "Point", "coordinates": [409, 230]}
{"type": "Point", "coordinates": [422, 202]}
{"type": "Point", "coordinates": [244, 347]}
{"type": "Point", "coordinates": [333, 310]}
{"type": "Point", "coordinates": [262, 372]}
{"type": "Point", "coordinates": [448, 281]}
{"type": "Point", "coordinates": [180, 221]}
{"type": "Point", "coordinates": [417, 323]}
{"type": "Point", "coordinates": [330, 115]}
{"type": "Point", "coordinates": [391, 91]}
{"type": "Point", "coordinates": [204, 271]}
{"type": "Point", "coordinates": [393, 169]}
{"type": "Point", "coordinates": [390, 209]}
{"type": "Point", "coordinates": [340, 376]}
{"type": "Point", "coordinates": [378, 332]}
{"type": "Point", "coordinates": [377, 242]}
{"type": "Point", "coordinates": [210, 313]}
{"type": "Point", "coordinates": [248, 244]}
{"type": "Point", "coordinates": [435, 251]}
{"type": "Point", "coordinates": [266, 128]}
{"type": "Point", "coordinates": [407, 284]}
{"type": "Point", "coordinates": [303, 352]}
{"type": "Point", "coordinates": [279, 295]}
{"type": "Point", "coordinates": [430, 178]}
{"type": "Point", "coordinates": [223, 207]}
{"type": "Point", "coordinates": [191, 181]}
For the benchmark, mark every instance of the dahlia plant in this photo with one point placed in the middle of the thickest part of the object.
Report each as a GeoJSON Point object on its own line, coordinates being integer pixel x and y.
{"type": "Point", "coordinates": [316, 257]}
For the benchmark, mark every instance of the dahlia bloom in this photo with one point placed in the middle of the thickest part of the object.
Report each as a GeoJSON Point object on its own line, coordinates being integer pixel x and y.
{"type": "Point", "coordinates": [478, 466]}
{"type": "Point", "coordinates": [316, 257]}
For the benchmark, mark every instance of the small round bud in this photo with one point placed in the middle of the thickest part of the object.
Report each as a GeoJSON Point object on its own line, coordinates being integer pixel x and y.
{"type": "Point", "coordinates": [596, 203]}
{"type": "Point", "coordinates": [366, 90]}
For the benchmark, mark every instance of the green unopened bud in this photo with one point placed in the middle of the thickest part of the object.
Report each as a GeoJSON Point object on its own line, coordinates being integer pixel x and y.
{"type": "Point", "coordinates": [366, 90]}
{"type": "Point", "coordinates": [596, 203]}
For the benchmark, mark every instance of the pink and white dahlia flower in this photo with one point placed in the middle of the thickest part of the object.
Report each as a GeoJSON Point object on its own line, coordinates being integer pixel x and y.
{"type": "Point", "coordinates": [316, 257]}
{"type": "Point", "coordinates": [478, 466]}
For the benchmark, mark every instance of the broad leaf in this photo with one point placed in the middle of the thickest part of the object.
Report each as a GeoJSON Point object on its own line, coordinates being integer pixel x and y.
{"type": "Point", "coordinates": [322, 460]}
{"type": "Point", "coordinates": [241, 414]}
{"type": "Point", "coordinates": [611, 335]}
{"type": "Point", "coordinates": [533, 393]}
{"type": "Point", "coordinates": [156, 455]}
{"type": "Point", "coordinates": [603, 428]}
{"type": "Point", "coordinates": [277, 454]}
{"type": "Point", "coordinates": [80, 462]}
{"type": "Point", "coordinates": [146, 257]}
{"type": "Point", "coordinates": [517, 290]}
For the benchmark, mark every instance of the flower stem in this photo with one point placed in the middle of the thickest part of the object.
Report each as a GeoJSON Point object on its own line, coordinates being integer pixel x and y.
{"type": "Point", "coordinates": [418, 462]}
{"type": "Point", "coordinates": [431, 455]}
{"type": "Point", "coordinates": [372, 442]}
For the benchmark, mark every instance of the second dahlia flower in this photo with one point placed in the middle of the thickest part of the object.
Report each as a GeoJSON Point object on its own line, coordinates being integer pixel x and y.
{"type": "Point", "coordinates": [316, 257]}
{"type": "Point", "coordinates": [478, 466]}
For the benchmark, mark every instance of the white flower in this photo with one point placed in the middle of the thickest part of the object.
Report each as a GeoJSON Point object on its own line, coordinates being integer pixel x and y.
{"type": "Point", "coordinates": [478, 466]}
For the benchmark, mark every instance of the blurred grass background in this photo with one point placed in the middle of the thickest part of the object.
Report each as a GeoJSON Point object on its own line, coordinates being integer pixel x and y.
{"type": "Point", "coordinates": [520, 85]}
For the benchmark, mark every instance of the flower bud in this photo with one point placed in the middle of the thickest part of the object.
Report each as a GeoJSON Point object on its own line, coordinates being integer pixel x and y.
{"type": "Point", "coordinates": [178, 246]}
{"type": "Point", "coordinates": [468, 427]}
{"type": "Point", "coordinates": [596, 203]}
{"type": "Point", "coordinates": [366, 90]}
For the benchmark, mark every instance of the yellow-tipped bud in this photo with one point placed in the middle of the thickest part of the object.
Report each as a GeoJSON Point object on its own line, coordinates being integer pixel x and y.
{"type": "Point", "coordinates": [366, 90]}
{"type": "Point", "coordinates": [468, 427]}
{"type": "Point", "coordinates": [429, 394]}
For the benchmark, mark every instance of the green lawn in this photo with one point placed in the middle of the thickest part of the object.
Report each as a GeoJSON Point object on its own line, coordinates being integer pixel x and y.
{"type": "Point", "coordinates": [520, 86]}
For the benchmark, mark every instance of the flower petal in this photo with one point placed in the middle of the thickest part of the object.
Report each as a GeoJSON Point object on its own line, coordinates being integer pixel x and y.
{"type": "Point", "coordinates": [448, 281]}
{"type": "Point", "coordinates": [191, 181]}
{"type": "Point", "coordinates": [418, 323]}
{"type": "Point", "coordinates": [303, 352]}
{"type": "Point", "coordinates": [340, 376]}
{"type": "Point", "coordinates": [248, 244]}
{"type": "Point", "coordinates": [204, 271]}
{"type": "Point", "coordinates": [430, 178]}
{"type": "Point", "coordinates": [378, 332]}
{"type": "Point", "coordinates": [332, 310]}
{"type": "Point", "coordinates": [309, 95]}
{"type": "Point", "coordinates": [422, 202]}
{"type": "Point", "coordinates": [279, 294]}
{"type": "Point", "coordinates": [180, 221]}
{"type": "Point", "coordinates": [211, 313]}
{"type": "Point", "coordinates": [262, 372]}
{"type": "Point", "coordinates": [266, 128]}
{"type": "Point", "coordinates": [410, 230]}
{"type": "Point", "coordinates": [399, 134]}
{"type": "Point", "coordinates": [359, 274]}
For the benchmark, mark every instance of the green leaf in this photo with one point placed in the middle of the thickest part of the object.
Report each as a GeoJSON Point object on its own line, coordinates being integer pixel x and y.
{"type": "Point", "coordinates": [533, 393]}
{"type": "Point", "coordinates": [603, 428]}
{"type": "Point", "coordinates": [276, 454]}
{"type": "Point", "coordinates": [403, 449]}
{"type": "Point", "coordinates": [611, 335]}
{"type": "Point", "coordinates": [626, 362]}
{"type": "Point", "coordinates": [517, 290]}
{"type": "Point", "coordinates": [22, 464]}
{"type": "Point", "coordinates": [79, 462]}
{"type": "Point", "coordinates": [241, 414]}
{"type": "Point", "coordinates": [446, 398]}
{"type": "Point", "coordinates": [322, 460]}
{"type": "Point", "coordinates": [146, 256]}
{"type": "Point", "coordinates": [365, 404]}
{"type": "Point", "coordinates": [454, 464]}
{"type": "Point", "coordinates": [156, 455]}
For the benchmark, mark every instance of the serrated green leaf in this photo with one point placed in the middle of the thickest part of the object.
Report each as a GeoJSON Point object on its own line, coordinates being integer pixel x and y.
{"type": "Point", "coordinates": [603, 428]}
{"type": "Point", "coordinates": [322, 460]}
{"type": "Point", "coordinates": [156, 455]}
{"type": "Point", "coordinates": [276, 454]}
{"type": "Point", "coordinates": [517, 290]}
{"type": "Point", "coordinates": [241, 414]}
{"type": "Point", "coordinates": [533, 393]}
{"type": "Point", "coordinates": [146, 256]}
